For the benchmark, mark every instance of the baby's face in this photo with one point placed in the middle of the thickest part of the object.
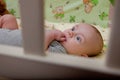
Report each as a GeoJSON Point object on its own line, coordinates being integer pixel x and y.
{"type": "Point", "coordinates": [81, 40]}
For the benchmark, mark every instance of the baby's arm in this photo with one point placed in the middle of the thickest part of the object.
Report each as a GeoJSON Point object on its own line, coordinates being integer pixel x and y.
{"type": "Point", "coordinates": [51, 35]}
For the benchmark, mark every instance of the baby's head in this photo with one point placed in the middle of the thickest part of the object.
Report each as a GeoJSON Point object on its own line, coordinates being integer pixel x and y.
{"type": "Point", "coordinates": [3, 9]}
{"type": "Point", "coordinates": [83, 40]}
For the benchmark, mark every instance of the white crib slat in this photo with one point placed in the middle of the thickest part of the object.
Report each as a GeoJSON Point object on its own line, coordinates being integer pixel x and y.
{"type": "Point", "coordinates": [32, 26]}
{"type": "Point", "coordinates": [113, 57]}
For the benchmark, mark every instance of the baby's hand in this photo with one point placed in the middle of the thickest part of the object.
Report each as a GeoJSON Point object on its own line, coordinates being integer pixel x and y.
{"type": "Point", "coordinates": [59, 36]}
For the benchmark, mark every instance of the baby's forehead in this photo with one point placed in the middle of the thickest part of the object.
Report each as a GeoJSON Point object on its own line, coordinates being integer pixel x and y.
{"type": "Point", "coordinates": [84, 25]}
{"type": "Point", "coordinates": [86, 29]}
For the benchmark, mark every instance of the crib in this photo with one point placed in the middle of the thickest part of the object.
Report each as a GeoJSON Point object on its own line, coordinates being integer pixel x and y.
{"type": "Point", "coordinates": [30, 62]}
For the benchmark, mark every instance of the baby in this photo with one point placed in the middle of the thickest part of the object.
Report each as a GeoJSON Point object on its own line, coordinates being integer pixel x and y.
{"type": "Point", "coordinates": [82, 40]}
{"type": "Point", "coordinates": [6, 19]}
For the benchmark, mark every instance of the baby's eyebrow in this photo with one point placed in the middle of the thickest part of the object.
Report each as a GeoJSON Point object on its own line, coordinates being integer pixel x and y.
{"type": "Point", "coordinates": [73, 27]}
{"type": "Point", "coordinates": [81, 34]}
{"type": "Point", "coordinates": [76, 26]}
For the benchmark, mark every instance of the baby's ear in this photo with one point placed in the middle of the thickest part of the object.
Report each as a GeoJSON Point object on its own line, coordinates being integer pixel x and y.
{"type": "Point", "coordinates": [84, 55]}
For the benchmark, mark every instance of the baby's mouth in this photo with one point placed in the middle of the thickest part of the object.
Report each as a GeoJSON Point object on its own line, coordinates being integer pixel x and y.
{"type": "Point", "coordinates": [65, 37]}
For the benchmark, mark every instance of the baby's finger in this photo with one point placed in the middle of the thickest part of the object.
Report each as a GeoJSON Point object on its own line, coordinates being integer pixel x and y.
{"type": "Point", "coordinates": [63, 39]}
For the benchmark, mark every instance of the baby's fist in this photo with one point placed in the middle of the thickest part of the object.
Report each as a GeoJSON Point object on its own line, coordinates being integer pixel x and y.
{"type": "Point", "coordinates": [59, 36]}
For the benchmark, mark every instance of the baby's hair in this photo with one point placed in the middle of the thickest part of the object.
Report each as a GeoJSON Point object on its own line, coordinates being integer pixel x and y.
{"type": "Point", "coordinates": [101, 38]}
{"type": "Point", "coordinates": [3, 8]}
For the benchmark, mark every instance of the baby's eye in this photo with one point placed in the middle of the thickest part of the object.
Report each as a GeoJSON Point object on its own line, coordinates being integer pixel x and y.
{"type": "Point", "coordinates": [78, 38]}
{"type": "Point", "coordinates": [73, 29]}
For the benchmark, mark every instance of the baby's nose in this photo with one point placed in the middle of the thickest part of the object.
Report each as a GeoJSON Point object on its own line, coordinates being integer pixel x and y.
{"type": "Point", "coordinates": [71, 33]}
